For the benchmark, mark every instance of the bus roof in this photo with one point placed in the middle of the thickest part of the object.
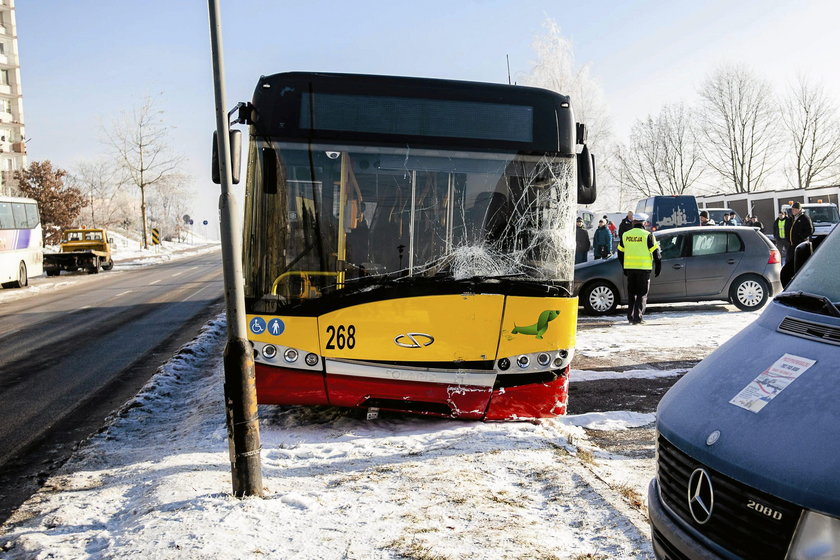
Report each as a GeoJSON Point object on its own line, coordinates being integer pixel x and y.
{"type": "Point", "coordinates": [17, 199]}
{"type": "Point", "coordinates": [310, 106]}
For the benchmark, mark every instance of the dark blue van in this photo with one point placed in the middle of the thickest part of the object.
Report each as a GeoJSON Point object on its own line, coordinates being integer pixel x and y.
{"type": "Point", "coordinates": [670, 211]}
{"type": "Point", "coordinates": [748, 442]}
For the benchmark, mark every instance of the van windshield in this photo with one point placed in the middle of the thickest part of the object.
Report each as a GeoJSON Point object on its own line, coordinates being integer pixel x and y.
{"type": "Point", "coordinates": [819, 275]}
{"type": "Point", "coordinates": [823, 214]}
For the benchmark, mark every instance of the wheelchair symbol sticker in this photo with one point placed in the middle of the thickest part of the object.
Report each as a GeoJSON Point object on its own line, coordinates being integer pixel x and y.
{"type": "Point", "coordinates": [257, 325]}
{"type": "Point", "coordinates": [276, 327]}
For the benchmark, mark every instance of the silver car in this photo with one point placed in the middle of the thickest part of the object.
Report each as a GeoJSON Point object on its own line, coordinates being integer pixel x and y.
{"type": "Point", "coordinates": [702, 263]}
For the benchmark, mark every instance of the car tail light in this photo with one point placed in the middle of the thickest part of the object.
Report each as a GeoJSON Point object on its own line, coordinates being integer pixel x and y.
{"type": "Point", "coordinates": [775, 257]}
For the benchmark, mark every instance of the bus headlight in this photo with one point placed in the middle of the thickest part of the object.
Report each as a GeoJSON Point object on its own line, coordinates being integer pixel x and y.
{"type": "Point", "coordinates": [543, 359]}
{"type": "Point", "coordinates": [269, 351]}
{"type": "Point", "coordinates": [290, 355]}
{"type": "Point", "coordinates": [311, 359]}
{"type": "Point", "coordinates": [523, 361]}
{"type": "Point", "coordinates": [817, 537]}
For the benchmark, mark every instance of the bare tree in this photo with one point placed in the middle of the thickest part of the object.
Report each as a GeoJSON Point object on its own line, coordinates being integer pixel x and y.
{"type": "Point", "coordinates": [105, 187]}
{"type": "Point", "coordinates": [739, 125]}
{"type": "Point", "coordinates": [555, 69]}
{"type": "Point", "coordinates": [810, 119]}
{"type": "Point", "coordinates": [139, 140]}
{"type": "Point", "coordinates": [663, 156]}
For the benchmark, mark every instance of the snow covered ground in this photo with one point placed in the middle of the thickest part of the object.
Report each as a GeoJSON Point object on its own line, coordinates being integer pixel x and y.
{"type": "Point", "coordinates": [156, 482]}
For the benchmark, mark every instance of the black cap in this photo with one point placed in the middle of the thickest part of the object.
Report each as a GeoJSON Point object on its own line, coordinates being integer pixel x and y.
{"type": "Point", "coordinates": [797, 206]}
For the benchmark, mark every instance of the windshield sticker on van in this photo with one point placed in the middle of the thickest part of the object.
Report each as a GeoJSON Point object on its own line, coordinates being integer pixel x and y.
{"type": "Point", "coordinates": [771, 382]}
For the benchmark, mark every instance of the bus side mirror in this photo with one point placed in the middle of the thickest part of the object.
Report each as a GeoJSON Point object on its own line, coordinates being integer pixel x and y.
{"type": "Point", "coordinates": [586, 188]}
{"type": "Point", "coordinates": [235, 157]}
{"type": "Point", "coordinates": [110, 241]}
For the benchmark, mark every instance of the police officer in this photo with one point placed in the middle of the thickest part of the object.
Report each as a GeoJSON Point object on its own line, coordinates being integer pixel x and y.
{"type": "Point", "coordinates": [639, 253]}
{"type": "Point", "coordinates": [780, 233]}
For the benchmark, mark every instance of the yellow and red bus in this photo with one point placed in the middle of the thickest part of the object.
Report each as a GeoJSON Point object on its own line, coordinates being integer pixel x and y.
{"type": "Point", "coordinates": [409, 244]}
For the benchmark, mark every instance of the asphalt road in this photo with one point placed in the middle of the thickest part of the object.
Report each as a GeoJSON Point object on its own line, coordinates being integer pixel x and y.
{"type": "Point", "coordinates": [71, 356]}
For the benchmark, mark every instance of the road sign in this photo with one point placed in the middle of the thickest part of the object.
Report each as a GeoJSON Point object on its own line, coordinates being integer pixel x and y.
{"type": "Point", "coordinates": [155, 236]}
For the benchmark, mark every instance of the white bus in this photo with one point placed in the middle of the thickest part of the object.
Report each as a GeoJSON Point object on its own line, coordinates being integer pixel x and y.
{"type": "Point", "coordinates": [21, 241]}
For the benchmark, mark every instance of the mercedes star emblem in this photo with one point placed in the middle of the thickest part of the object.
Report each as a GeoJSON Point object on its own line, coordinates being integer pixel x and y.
{"type": "Point", "coordinates": [701, 497]}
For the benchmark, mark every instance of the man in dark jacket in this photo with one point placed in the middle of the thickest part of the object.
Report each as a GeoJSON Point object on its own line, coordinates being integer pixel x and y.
{"type": "Point", "coordinates": [639, 253]}
{"type": "Point", "coordinates": [800, 229]}
{"type": "Point", "coordinates": [602, 242]}
{"type": "Point", "coordinates": [582, 243]}
{"type": "Point", "coordinates": [625, 225]}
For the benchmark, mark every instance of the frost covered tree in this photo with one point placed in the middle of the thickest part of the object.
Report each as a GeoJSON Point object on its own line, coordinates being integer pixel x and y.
{"type": "Point", "coordinates": [555, 69]}
{"type": "Point", "coordinates": [168, 203]}
{"type": "Point", "coordinates": [139, 139]}
{"type": "Point", "coordinates": [738, 120]}
{"type": "Point", "coordinates": [811, 122]}
{"type": "Point", "coordinates": [663, 156]}
{"type": "Point", "coordinates": [105, 186]}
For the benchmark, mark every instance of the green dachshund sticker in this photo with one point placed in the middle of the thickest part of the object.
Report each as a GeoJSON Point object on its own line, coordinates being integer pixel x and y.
{"type": "Point", "coordinates": [538, 329]}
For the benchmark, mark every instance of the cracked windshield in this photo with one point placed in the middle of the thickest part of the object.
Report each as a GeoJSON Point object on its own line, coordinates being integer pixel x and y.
{"type": "Point", "coordinates": [332, 215]}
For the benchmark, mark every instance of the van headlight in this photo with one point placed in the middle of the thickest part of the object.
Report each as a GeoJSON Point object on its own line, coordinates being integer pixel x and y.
{"type": "Point", "coordinates": [817, 537]}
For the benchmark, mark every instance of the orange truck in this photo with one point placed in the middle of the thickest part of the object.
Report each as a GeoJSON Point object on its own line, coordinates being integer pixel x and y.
{"type": "Point", "coordinates": [89, 249]}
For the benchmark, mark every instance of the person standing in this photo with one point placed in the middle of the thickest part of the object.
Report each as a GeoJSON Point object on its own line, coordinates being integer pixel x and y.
{"type": "Point", "coordinates": [639, 253]}
{"type": "Point", "coordinates": [725, 221]}
{"type": "Point", "coordinates": [780, 233]}
{"type": "Point", "coordinates": [582, 243]}
{"type": "Point", "coordinates": [800, 229]}
{"type": "Point", "coordinates": [625, 225]}
{"type": "Point", "coordinates": [602, 241]}
{"type": "Point", "coordinates": [610, 226]}
{"type": "Point", "coordinates": [704, 219]}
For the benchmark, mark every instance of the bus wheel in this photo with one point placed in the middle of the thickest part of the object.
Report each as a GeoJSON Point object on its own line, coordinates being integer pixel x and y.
{"type": "Point", "coordinates": [22, 279]}
{"type": "Point", "coordinates": [599, 298]}
{"type": "Point", "coordinates": [94, 269]}
{"type": "Point", "coordinates": [108, 265]}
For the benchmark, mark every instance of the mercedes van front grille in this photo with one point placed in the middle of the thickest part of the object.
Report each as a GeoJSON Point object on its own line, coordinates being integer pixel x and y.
{"type": "Point", "coordinates": [733, 524]}
{"type": "Point", "coordinates": [808, 329]}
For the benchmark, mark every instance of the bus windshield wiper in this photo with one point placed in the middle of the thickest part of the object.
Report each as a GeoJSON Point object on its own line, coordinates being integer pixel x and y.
{"type": "Point", "coordinates": [809, 302]}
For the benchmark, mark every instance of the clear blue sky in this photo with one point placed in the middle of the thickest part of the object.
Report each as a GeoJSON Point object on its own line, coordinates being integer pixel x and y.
{"type": "Point", "coordinates": [85, 61]}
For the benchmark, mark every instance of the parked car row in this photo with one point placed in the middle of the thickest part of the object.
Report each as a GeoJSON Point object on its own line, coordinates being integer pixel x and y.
{"type": "Point", "coordinates": [701, 263]}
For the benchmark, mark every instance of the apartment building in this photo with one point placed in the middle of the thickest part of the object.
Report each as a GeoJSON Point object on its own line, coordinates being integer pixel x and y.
{"type": "Point", "coordinates": [12, 143]}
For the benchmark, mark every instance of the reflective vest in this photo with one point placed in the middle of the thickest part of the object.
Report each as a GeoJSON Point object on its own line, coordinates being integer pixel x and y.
{"type": "Point", "coordinates": [781, 234]}
{"type": "Point", "coordinates": [637, 254]}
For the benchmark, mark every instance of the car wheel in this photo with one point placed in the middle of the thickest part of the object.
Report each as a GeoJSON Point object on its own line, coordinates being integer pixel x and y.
{"type": "Point", "coordinates": [749, 293]}
{"type": "Point", "coordinates": [599, 298]}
